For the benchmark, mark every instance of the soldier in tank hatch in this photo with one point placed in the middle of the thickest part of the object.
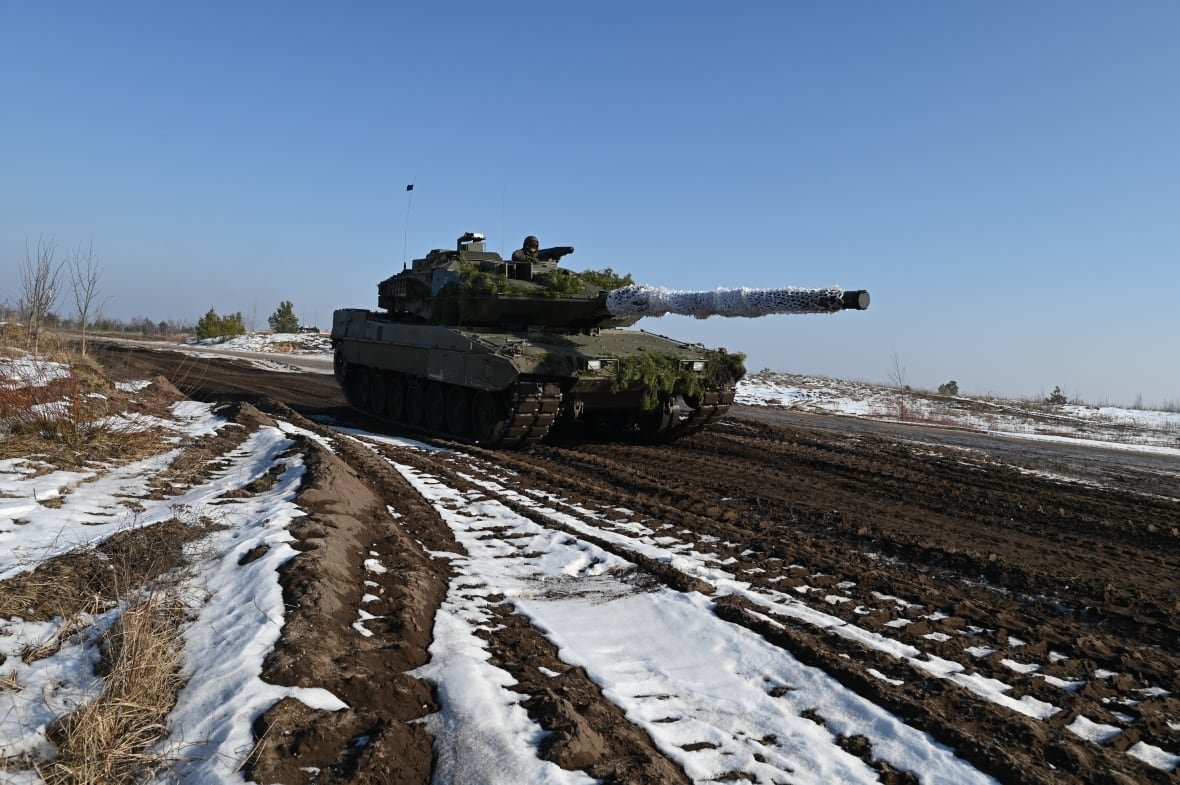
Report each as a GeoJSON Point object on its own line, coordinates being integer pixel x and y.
{"type": "Point", "coordinates": [528, 250]}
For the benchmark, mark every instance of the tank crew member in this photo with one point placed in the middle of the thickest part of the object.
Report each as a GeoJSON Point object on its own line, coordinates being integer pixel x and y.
{"type": "Point", "coordinates": [528, 251]}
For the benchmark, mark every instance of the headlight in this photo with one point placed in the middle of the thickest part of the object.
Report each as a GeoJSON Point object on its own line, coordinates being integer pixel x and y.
{"type": "Point", "coordinates": [698, 365]}
{"type": "Point", "coordinates": [594, 365]}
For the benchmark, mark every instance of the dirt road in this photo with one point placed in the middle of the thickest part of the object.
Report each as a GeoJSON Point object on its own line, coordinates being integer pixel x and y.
{"type": "Point", "coordinates": [1018, 601]}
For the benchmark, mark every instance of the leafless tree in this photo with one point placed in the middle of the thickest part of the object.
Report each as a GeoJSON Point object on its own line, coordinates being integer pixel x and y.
{"type": "Point", "coordinates": [39, 278]}
{"type": "Point", "coordinates": [897, 372]}
{"type": "Point", "coordinates": [84, 275]}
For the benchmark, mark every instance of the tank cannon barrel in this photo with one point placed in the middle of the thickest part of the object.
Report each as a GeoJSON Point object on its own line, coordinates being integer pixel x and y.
{"type": "Point", "coordinates": [644, 300]}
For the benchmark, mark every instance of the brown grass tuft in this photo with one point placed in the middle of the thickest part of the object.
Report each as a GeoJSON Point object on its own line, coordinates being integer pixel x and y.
{"type": "Point", "coordinates": [93, 579]}
{"type": "Point", "coordinates": [106, 742]}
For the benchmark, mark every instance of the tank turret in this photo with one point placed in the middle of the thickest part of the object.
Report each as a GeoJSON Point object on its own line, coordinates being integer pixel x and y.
{"type": "Point", "coordinates": [475, 347]}
{"type": "Point", "coordinates": [473, 286]}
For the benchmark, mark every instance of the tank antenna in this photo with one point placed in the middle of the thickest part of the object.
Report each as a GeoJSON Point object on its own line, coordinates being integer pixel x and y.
{"type": "Point", "coordinates": [406, 227]}
{"type": "Point", "coordinates": [503, 201]}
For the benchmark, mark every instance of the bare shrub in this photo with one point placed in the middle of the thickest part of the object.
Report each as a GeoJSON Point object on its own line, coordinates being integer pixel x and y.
{"type": "Point", "coordinates": [84, 274]}
{"type": "Point", "coordinates": [897, 372]}
{"type": "Point", "coordinates": [39, 283]}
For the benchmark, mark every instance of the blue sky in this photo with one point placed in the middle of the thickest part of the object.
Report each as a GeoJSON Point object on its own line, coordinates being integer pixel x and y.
{"type": "Point", "coordinates": [1003, 177]}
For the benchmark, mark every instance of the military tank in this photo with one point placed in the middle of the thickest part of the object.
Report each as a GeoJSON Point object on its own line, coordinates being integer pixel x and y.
{"type": "Point", "coordinates": [474, 347]}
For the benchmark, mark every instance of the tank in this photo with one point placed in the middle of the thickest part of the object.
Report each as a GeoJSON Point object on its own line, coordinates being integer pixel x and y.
{"type": "Point", "coordinates": [474, 347]}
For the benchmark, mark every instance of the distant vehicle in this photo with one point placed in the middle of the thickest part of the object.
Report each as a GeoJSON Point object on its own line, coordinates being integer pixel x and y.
{"type": "Point", "coordinates": [470, 346]}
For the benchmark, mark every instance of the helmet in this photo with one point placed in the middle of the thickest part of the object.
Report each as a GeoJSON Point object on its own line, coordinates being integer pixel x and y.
{"type": "Point", "coordinates": [531, 242]}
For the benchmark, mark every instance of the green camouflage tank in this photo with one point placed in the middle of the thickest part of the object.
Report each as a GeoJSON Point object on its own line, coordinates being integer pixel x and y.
{"type": "Point", "coordinates": [470, 346]}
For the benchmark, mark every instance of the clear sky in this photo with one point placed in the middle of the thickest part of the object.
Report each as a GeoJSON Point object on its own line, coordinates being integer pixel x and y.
{"type": "Point", "coordinates": [1004, 177]}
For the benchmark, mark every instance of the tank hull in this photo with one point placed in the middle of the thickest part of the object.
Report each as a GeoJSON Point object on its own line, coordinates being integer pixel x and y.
{"type": "Point", "coordinates": [506, 387]}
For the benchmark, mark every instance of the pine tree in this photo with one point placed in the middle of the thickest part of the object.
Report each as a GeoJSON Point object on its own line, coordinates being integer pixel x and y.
{"type": "Point", "coordinates": [284, 320]}
{"type": "Point", "coordinates": [209, 325]}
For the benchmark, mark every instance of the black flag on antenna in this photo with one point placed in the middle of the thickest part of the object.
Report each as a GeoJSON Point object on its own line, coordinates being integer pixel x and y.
{"type": "Point", "coordinates": [410, 187]}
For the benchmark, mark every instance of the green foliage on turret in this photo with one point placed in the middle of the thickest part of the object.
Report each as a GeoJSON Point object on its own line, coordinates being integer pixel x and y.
{"type": "Point", "coordinates": [474, 282]}
{"type": "Point", "coordinates": [603, 279]}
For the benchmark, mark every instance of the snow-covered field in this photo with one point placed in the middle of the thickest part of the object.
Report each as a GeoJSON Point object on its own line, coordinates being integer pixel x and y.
{"type": "Point", "coordinates": [641, 647]}
{"type": "Point", "coordinates": [1116, 427]}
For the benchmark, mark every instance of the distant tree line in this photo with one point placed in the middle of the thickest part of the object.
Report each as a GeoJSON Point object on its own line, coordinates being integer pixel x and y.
{"type": "Point", "coordinates": [212, 325]}
{"type": "Point", "coordinates": [142, 325]}
{"type": "Point", "coordinates": [41, 286]}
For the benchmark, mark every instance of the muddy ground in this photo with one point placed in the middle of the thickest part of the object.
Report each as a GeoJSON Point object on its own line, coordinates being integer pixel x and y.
{"type": "Point", "coordinates": [1073, 552]}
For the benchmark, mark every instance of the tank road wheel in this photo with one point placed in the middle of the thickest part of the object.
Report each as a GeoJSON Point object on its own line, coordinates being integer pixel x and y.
{"type": "Point", "coordinates": [487, 416]}
{"type": "Point", "coordinates": [415, 402]}
{"type": "Point", "coordinates": [458, 415]}
{"type": "Point", "coordinates": [357, 387]}
{"type": "Point", "coordinates": [377, 396]}
{"type": "Point", "coordinates": [656, 425]}
{"type": "Point", "coordinates": [395, 396]}
{"type": "Point", "coordinates": [436, 408]}
{"type": "Point", "coordinates": [651, 426]}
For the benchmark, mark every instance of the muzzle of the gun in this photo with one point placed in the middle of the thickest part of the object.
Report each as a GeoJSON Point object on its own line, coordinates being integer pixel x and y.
{"type": "Point", "coordinates": [856, 300]}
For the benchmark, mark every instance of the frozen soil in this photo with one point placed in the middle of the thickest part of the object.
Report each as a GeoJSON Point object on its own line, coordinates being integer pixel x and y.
{"type": "Point", "coordinates": [1053, 572]}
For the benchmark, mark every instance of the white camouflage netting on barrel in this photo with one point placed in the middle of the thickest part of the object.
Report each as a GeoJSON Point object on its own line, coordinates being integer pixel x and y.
{"type": "Point", "coordinates": [656, 301]}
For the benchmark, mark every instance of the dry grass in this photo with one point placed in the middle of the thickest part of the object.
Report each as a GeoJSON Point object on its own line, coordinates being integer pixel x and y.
{"type": "Point", "coordinates": [12, 337]}
{"type": "Point", "coordinates": [107, 741]}
{"type": "Point", "coordinates": [75, 624]}
{"type": "Point", "coordinates": [94, 579]}
{"type": "Point", "coordinates": [66, 421]}
{"type": "Point", "coordinates": [69, 422]}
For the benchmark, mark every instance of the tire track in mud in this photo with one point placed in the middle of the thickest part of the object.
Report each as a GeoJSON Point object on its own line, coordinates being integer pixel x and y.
{"type": "Point", "coordinates": [586, 731]}
{"type": "Point", "coordinates": [1013, 645]}
{"type": "Point", "coordinates": [895, 744]}
{"type": "Point", "coordinates": [361, 598]}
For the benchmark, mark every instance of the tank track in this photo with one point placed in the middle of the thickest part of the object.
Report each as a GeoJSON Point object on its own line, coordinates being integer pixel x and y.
{"type": "Point", "coordinates": [712, 407]}
{"type": "Point", "coordinates": [524, 414]}
{"type": "Point", "coordinates": [533, 407]}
